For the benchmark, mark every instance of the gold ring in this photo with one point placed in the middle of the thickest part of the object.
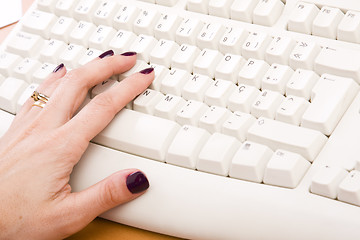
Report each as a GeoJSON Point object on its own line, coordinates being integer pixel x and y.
{"type": "Point", "coordinates": [39, 103]}
{"type": "Point", "coordinates": [39, 96]}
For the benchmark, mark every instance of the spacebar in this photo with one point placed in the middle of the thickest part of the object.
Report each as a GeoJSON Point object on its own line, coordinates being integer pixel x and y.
{"type": "Point", "coordinates": [139, 134]}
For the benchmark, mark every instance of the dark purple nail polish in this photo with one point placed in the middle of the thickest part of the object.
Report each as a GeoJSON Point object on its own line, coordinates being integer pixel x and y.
{"type": "Point", "coordinates": [128, 54]}
{"type": "Point", "coordinates": [147, 70]}
{"type": "Point", "coordinates": [60, 66]}
{"type": "Point", "coordinates": [137, 182]}
{"type": "Point", "coordinates": [108, 53]}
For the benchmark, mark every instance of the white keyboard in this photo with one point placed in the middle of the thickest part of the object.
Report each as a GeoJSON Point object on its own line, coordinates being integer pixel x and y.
{"type": "Point", "coordinates": [251, 128]}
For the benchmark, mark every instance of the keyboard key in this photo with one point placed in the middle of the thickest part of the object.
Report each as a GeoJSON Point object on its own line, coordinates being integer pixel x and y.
{"type": "Point", "coordinates": [145, 22]}
{"type": "Point", "coordinates": [125, 17]}
{"type": "Point", "coordinates": [168, 106]}
{"type": "Point", "coordinates": [71, 55]}
{"type": "Point", "coordinates": [188, 31]}
{"type": "Point", "coordinates": [191, 112]}
{"type": "Point", "coordinates": [65, 7]}
{"type": "Point", "coordinates": [122, 41]}
{"type": "Point", "coordinates": [62, 28]}
{"type": "Point", "coordinates": [51, 50]}
{"type": "Point", "coordinates": [215, 157]}
{"type": "Point", "coordinates": [249, 162]}
{"type": "Point", "coordinates": [255, 45]}
{"type": "Point", "coordinates": [46, 5]}
{"type": "Point", "coordinates": [7, 62]}
{"type": "Point", "coordinates": [336, 93]}
{"type": "Point", "coordinates": [340, 61]}
{"type": "Point", "coordinates": [276, 77]}
{"type": "Point", "coordinates": [349, 188]}
{"type": "Point", "coordinates": [168, 3]}
{"type": "Point", "coordinates": [25, 68]}
{"type": "Point", "coordinates": [196, 87]}
{"type": "Point", "coordinates": [326, 181]}
{"type": "Point", "coordinates": [207, 61]}
{"type": "Point", "coordinates": [25, 44]}
{"type": "Point", "coordinates": [302, 17]}
{"type": "Point", "coordinates": [242, 98]}
{"type": "Point", "coordinates": [228, 67]}
{"type": "Point", "coordinates": [232, 40]}
{"type": "Point", "coordinates": [42, 72]}
{"type": "Point", "coordinates": [145, 141]}
{"type": "Point", "coordinates": [101, 37]}
{"type": "Point", "coordinates": [276, 135]}
{"type": "Point", "coordinates": [242, 10]}
{"type": "Point", "coordinates": [213, 119]}
{"type": "Point", "coordinates": [285, 169]}
{"type": "Point", "coordinates": [303, 55]}
{"type": "Point", "coordinates": [160, 72]}
{"type": "Point", "coordinates": [84, 10]}
{"type": "Point", "coordinates": [143, 45]}
{"type": "Point", "coordinates": [252, 72]}
{"type": "Point", "coordinates": [89, 55]}
{"type": "Point", "coordinates": [185, 56]}
{"type": "Point", "coordinates": [166, 26]}
{"type": "Point", "coordinates": [266, 104]}
{"type": "Point", "coordinates": [349, 27]}
{"type": "Point", "coordinates": [39, 22]}
{"type": "Point", "coordinates": [174, 81]}
{"type": "Point", "coordinates": [105, 12]}
{"type": "Point", "coordinates": [220, 8]}
{"type": "Point", "coordinates": [291, 110]}
{"type": "Point", "coordinates": [209, 36]}
{"type": "Point", "coordinates": [326, 22]}
{"type": "Point", "coordinates": [186, 146]}
{"type": "Point", "coordinates": [82, 32]}
{"type": "Point", "coordinates": [301, 83]}
{"type": "Point", "coordinates": [218, 92]}
{"type": "Point", "coordinates": [200, 6]}
{"type": "Point", "coordinates": [10, 91]}
{"type": "Point", "coordinates": [237, 125]}
{"type": "Point", "coordinates": [163, 51]}
{"type": "Point", "coordinates": [147, 101]}
{"type": "Point", "coordinates": [267, 12]}
{"type": "Point", "coordinates": [279, 50]}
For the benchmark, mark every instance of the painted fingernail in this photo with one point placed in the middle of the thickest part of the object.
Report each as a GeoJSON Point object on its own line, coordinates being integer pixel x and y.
{"type": "Point", "coordinates": [128, 54]}
{"type": "Point", "coordinates": [137, 182]}
{"type": "Point", "coordinates": [108, 53]}
{"type": "Point", "coordinates": [60, 66]}
{"type": "Point", "coordinates": [147, 70]}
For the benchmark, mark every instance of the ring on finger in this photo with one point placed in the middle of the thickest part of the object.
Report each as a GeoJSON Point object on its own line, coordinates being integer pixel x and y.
{"type": "Point", "coordinates": [39, 96]}
{"type": "Point", "coordinates": [39, 103]}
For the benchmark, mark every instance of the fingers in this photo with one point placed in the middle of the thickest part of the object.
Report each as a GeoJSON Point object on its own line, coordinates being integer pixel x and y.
{"type": "Point", "coordinates": [87, 123]}
{"type": "Point", "coordinates": [118, 188]}
{"type": "Point", "coordinates": [74, 86]}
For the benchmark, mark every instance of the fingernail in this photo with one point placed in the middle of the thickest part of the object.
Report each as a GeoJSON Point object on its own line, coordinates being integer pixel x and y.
{"type": "Point", "coordinates": [108, 53]}
{"type": "Point", "coordinates": [146, 70]}
{"type": "Point", "coordinates": [60, 66]}
{"type": "Point", "coordinates": [137, 182]}
{"type": "Point", "coordinates": [129, 54]}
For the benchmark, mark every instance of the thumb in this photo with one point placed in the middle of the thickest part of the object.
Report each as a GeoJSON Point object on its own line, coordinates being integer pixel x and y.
{"type": "Point", "coordinates": [118, 188]}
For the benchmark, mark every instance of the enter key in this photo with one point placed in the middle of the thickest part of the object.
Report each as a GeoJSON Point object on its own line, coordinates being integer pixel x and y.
{"type": "Point", "coordinates": [339, 61]}
{"type": "Point", "coordinates": [330, 98]}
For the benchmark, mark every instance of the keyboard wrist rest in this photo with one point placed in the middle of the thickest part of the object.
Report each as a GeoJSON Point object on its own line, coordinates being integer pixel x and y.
{"type": "Point", "coordinates": [278, 212]}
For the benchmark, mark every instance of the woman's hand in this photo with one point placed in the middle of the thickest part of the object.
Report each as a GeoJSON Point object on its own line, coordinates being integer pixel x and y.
{"type": "Point", "coordinates": [41, 147]}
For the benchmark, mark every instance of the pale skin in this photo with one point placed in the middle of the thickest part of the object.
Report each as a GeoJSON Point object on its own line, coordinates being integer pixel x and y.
{"type": "Point", "coordinates": [40, 149]}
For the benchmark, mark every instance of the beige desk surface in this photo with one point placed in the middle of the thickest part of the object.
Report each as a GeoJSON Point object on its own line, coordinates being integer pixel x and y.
{"type": "Point", "coordinates": [100, 229]}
